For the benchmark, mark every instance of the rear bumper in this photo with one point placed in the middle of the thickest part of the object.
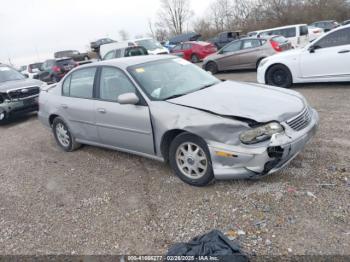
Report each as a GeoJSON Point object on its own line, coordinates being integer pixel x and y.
{"type": "Point", "coordinates": [249, 162]}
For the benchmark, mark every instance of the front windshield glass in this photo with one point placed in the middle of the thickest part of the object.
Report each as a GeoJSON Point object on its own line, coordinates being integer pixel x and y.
{"type": "Point", "coordinates": [149, 44]}
{"type": "Point", "coordinates": [9, 74]}
{"type": "Point", "coordinates": [170, 78]}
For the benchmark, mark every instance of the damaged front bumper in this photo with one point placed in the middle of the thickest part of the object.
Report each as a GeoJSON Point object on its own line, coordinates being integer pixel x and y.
{"type": "Point", "coordinates": [248, 161]}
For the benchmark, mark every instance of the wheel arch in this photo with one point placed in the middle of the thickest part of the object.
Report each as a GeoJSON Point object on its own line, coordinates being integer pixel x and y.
{"type": "Point", "coordinates": [166, 140]}
{"type": "Point", "coordinates": [52, 118]}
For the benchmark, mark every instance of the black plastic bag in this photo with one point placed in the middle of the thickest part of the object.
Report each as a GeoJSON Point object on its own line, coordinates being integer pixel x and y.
{"type": "Point", "coordinates": [214, 244]}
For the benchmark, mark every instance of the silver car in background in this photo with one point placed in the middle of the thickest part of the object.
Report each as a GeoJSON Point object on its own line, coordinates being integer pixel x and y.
{"type": "Point", "coordinates": [166, 108]}
{"type": "Point", "coordinates": [245, 53]}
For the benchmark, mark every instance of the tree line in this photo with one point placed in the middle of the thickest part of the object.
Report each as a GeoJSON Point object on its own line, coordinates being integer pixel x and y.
{"type": "Point", "coordinates": [175, 16]}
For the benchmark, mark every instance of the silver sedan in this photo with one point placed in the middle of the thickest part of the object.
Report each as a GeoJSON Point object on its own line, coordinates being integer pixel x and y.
{"type": "Point", "coordinates": [165, 108]}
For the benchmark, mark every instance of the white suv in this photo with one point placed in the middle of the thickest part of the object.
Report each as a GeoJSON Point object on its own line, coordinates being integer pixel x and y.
{"type": "Point", "coordinates": [327, 59]}
{"type": "Point", "coordinates": [31, 70]}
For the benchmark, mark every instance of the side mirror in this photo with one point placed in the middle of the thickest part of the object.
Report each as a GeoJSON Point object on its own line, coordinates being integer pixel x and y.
{"type": "Point", "coordinates": [128, 99]}
{"type": "Point", "coordinates": [313, 48]}
{"type": "Point", "coordinates": [221, 52]}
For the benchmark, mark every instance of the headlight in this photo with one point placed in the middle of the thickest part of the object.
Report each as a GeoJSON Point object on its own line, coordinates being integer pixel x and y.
{"type": "Point", "coordinates": [263, 62]}
{"type": "Point", "coordinates": [260, 133]}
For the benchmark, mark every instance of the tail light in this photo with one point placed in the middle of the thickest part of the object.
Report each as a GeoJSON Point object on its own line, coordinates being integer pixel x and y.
{"type": "Point", "coordinates": [275, 45]}
{"type": "Point", "coordinates": [56, 69]}
{"type": "Point", "coordinates": [317, 31]}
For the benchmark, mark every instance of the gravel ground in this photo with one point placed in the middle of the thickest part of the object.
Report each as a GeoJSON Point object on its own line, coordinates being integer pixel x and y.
{"type": "Point", "coordinates": [98, 201]}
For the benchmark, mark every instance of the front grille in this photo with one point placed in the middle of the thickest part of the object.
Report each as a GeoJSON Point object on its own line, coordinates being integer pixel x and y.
{"type": "Point", "coordinates": [301, 121]}
{"type": "Point", "coordinates": [23, 93]}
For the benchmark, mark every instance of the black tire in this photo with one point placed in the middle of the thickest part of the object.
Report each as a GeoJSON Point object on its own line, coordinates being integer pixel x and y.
{"type": "Point", "coordinates": [279, 75]}
{"type": "Point", "coordinates": [72, 145]}
{"type": "Point", "coordinates": [211, 67]}
{"type": "Point", "coordinates": [178, 142]}
{"type": "Point", "coordinates": [195, 59]}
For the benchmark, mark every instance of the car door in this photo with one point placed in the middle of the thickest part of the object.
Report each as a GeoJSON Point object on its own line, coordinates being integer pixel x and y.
{"type": "Point", "coordinates": [77, 104]}
{"type": "Point", "coordinates": [249, 54]}
{"type": "Point", "coordinates": [330, 57]}
{"type": "Point", "coordinates": [229, 56]}
{"type": "Point", "coordinates": [125, 126]}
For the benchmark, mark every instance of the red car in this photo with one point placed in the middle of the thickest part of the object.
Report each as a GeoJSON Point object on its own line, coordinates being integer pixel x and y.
{"type": "Point", "coordinates": [194, 51]}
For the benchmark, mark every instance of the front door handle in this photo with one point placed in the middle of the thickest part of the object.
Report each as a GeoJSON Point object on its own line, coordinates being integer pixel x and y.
{"type": "Point", "coordinates": [343, 51]}
{"type": "Point", "coordinates": [64, 106]}
{"type": "Point", "coordinates": [101, 110]}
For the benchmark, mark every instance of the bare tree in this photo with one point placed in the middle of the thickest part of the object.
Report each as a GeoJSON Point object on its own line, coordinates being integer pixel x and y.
{"type": "Point", "coordinates": [123, 35]}
{"type": "Point", "coordinates": [174, 14]}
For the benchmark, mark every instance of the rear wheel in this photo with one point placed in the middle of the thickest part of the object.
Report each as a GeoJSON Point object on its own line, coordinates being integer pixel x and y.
{"type": "Point", "coordinates": [195, 59]}
{"type": "Point", "coordinates": [190, 159]}
{"type": "Point", "coordinates": [63, 136]}
{"type": "Point", "coordinates": [211, 67]}
{"type": "Point", "coordinates": [279, 75]}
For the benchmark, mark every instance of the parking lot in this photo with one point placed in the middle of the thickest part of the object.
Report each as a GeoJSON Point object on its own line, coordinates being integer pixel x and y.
{"type": "Point", "coordinates": [98, 201]}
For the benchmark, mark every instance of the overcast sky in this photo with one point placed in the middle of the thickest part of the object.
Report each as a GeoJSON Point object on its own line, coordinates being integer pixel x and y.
{"type": "Point", "coordinates": [32, 30]}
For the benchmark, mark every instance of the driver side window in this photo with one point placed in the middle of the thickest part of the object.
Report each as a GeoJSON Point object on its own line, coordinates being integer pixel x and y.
{"type": "Point", "coordinates": [233, 47]}
{"type": "Point", "coordinates": [114, 83]}
{"type": "Point", "coordinates": [337, 38]}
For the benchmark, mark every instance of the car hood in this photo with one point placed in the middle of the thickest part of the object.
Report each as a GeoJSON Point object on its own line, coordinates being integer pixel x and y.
{"type": "Point", "coordinates": [244, 100]}
{"type": "Point", "coordinates": [5, 86]}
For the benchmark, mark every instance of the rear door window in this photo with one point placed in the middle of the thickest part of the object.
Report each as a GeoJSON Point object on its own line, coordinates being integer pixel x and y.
{"type": "Point", "coordinates": [82, 83]}
{"type": "Point", "coordinates": [233, 47]}
{"type": "Point", "coordinates": [251, 43]}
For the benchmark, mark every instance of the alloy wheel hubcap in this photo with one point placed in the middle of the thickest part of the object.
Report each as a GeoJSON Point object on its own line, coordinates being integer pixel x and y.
{"type": "Point", "coordinates": [191, 160]}
{"type": "Point", "coordinates": [62, 135]}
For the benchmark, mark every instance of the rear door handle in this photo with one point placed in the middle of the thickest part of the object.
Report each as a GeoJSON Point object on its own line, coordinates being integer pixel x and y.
{"type": "Point", "coordinates": [64, 106]}
{"type": "Point", "coordinates": [343, 51]}
{"type": "Point", "coordinates": [101, 110]}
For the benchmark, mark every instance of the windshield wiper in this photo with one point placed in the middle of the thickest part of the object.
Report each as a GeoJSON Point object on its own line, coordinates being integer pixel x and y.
{"type": "Point", "coordinates": [174, 96]}
{"type": "Point", "coordinates": [206, 86]}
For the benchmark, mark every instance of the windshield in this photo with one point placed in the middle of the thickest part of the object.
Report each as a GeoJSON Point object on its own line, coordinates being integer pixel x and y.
{"type": "Point", "coordinates": [149, 44]}
{"type": "Point", "coordinates": [9, 74]}
{"type": "Point", "coordinates": [178, 77]}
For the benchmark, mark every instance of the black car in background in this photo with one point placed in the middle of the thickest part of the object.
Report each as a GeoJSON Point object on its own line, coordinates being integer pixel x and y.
{"type": "Point", "coordinates": [224, 38]}
{"type": "Point", "coordinates": [95, 46]}
{"type": "Point", "coordinates": [53, 70]}
{"type": "Point", "coordinates": [192, 36]}
{"type": "Point", "coordinates": [326, 25]}
{"type": "Point", "coordinates": [125, 52]}
{"type": "Point", "coordinates": [75, 54]}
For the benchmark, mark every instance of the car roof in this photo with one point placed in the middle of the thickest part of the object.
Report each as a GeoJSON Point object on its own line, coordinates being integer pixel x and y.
{"type": "Point", "coordinates": [125, 62]}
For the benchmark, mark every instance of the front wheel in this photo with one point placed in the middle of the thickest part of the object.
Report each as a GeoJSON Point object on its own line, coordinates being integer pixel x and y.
{"type": "Point", "coordinates": [63, 136]}
{"type": "Point", "coordinates": [211, 67]}
{"type": "Point", "coordinates": [190, 159]}
{"type": "Point", "coordinates": [279, 75]}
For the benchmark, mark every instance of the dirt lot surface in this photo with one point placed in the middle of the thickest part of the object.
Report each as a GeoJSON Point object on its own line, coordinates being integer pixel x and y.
{"type": "Point", "coordinates": [98, 201]}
